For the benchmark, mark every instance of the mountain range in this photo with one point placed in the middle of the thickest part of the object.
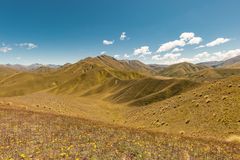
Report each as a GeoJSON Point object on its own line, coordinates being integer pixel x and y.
{"type": "Point", "coordinates": [204, 98]}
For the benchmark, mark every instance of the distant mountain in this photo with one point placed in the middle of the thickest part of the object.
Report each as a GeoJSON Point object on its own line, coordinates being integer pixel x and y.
{"type": "Point", "coordinates": [232, 62]}
{"type": "Point", "coordinates": [211, 63]}
{"type": "Point", "coordinates": [157, 67]}
{"type": "Point", "coordinates": [229, 63]}
{"type": "Point", "coordinates": [118, 81]}
{"type": "Point", "coordinates": [181, 69]}
{"type": "Point", "coordinates": [30, 67]}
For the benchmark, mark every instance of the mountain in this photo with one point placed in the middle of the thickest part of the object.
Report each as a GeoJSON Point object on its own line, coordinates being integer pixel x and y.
{"type": "Point", "coordinates": [181, 69]}
{"type": "Point", "coordinates": [212, 74]}
{"type": "Point", "coordinates": [68, 79]}
{"type": "Point", "coordinates": [115, 81]}
{"type": "Point", "coordinates": [122, 65]}
{"type": "Point", "coordinates": [211, 63]}
{"type": "Point", "coordinates": [229, 63]}
{"type": "Point", "coordinates": [157, 67]}
{"type": "Point", "coordinates": [31, 67]}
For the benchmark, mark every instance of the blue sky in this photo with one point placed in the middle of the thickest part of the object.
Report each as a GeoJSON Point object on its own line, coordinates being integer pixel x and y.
{"type": "Point", "coordinates": [156, 31]}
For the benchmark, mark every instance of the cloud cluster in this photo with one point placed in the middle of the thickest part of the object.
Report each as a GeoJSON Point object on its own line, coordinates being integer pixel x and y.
{"type": "Point", "coordinates": [107, 42]}
{"type": "Point", "coordinates": [144, 50]}
{"type": "Point", "coordinates": [126, 56]}
{"type": "Point", "coordinates": [171, 58]}
{"type": "Point", "coordinates": [5, 49]}
{"type": "Point", "coordinates": [186, 38]}
{"type": "Point", "coordinates": [123, 36]}
{"type": "Point", "coordinates": [28, 46]}
{"type": "Point", "coordinates": [167, 57]}
{"type": "Point", "coordinates": [116, 56]}
{"type": "Point", "coordinates": [216, 42]}
{"type": "Point", "coordinates": [177, 50]}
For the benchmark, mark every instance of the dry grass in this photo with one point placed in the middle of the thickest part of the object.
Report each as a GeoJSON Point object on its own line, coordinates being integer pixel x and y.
{"type": "Point", "coordinates": [29, 135]}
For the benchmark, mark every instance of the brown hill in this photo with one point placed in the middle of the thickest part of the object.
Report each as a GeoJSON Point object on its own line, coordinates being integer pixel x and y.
{"type": "Point", "coordinates": [181, 69]}
{"type": "Point", "coordinates": [73, 78]}
{"type": "Point", "coordinates": [209, 110]}
{"type": "Point", "coordinates": [211, 74]}
{"type": "Point", "coordinates": [139, 92]}
{"type": "Point", "coordinates": [5, 72]}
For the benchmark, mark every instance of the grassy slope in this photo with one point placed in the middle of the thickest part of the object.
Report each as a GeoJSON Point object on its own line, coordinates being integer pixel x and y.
{"type": "Point", "coordinates": [6, 72]}
{"type": "Point", "coordinates": [209, 110]}
{"type": "Point", "coordinates": [211, 74]}
{"type": "Point", "coordinates": [29, 135]}
{"type": "Point", "coordinates": [25, 83]}
{"type": "Point", "coordinates": [139, 92]}
{"type": "Point", "coordinates": [181, 69]}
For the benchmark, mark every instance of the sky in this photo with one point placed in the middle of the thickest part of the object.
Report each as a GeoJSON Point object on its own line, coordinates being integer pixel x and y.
{"type": "Point", "coordinates": [152, 31]}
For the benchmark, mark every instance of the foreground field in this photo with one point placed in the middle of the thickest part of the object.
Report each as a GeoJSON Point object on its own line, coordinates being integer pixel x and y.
{"type": "Point", "coordinates": [32, 135]}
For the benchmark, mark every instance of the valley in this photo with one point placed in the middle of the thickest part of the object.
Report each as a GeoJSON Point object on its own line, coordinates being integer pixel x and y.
{"type": "Point", "coordinates": [183, 103]}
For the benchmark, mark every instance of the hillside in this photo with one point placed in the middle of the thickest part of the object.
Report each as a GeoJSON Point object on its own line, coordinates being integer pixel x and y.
{"type": "Point", "coordinates": [72, 78]}
{"type": "Point", "coordinates": [95, 89]}
{"type": "Point", "coordinates": [210, 110]}
{"type": "Point", "coordinates": [5, 72]}
{"type": "Point", "coordinates": [111, 63]}
{"type": "Point", "coordinates": [229, 63]}
{"type": "Point", "coordinates": [211, 74]}
{"type": "Point", "coordinates": [139, 92]}
{"type": "Point", "coordinates": [180, 69]}
{"type": "Point", "coordinates": [49, 136]}
{"type": "Point", "coordinates": [235, 65]}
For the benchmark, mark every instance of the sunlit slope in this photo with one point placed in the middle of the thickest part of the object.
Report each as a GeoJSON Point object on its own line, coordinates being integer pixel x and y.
{"type": "Point", "coordinates": [140, 92]}
{"type": "Point", "coordinates": [181, 69]}
{"type": "Point", "coordinates": [210, 74]}
{"type": "Point", "coordinates": [111, 63]}
{"type": "Point", "coordinates": [211, 109]}
{"type": "Point", "coordinates": [75, 78]}
{"type": "Point", "coordinates": [5, 72]}
{"type": "Point", "coordinates": [235, 65]}
{"type": "Point", "coordinates": [26, 83]}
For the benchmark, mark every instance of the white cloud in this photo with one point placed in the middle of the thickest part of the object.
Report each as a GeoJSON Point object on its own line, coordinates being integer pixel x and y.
{"type": "Point", "coordinates": [106, 42]}
{"type": "Point", "coordinates": [186, 36]}
{"type": "Point", "coordinates": [18, 58]}
{"type": "Point", "coordinates": [195, 40]}
{"type": "Point", "coordinates": [170, 45]}
{"type": "Point", "coordinates": [226, 54]}
{"type": "Point", "coordinates": [166, 57]}
{"type": "Point", "coordinates": [177, 50]}
{"type": "Point", "coordinates": [218, 41]}
{"type": "Point", "coordinates": [126, 56]}
{"type": "Point", "coordinates": [156, 57]}
{"type": "Point", "coordinates": [123, 36]}
{"type": "Point", "coordinates": [116, 56]}
{"type": "Point", "coordinates": [29, 46]}
{"type": "Point", "coordinates": [103, 52]}
{"type": "Point", "coordinates": [201, 46]}
{"type": "Point", "coordinates": [5, 49]}
{"type": "Point", "coordinates": [171, 58]}
{"type": "Point", "coordinates": [202, 55]}
{"type": "Point", "coordinates": [144, 50]}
